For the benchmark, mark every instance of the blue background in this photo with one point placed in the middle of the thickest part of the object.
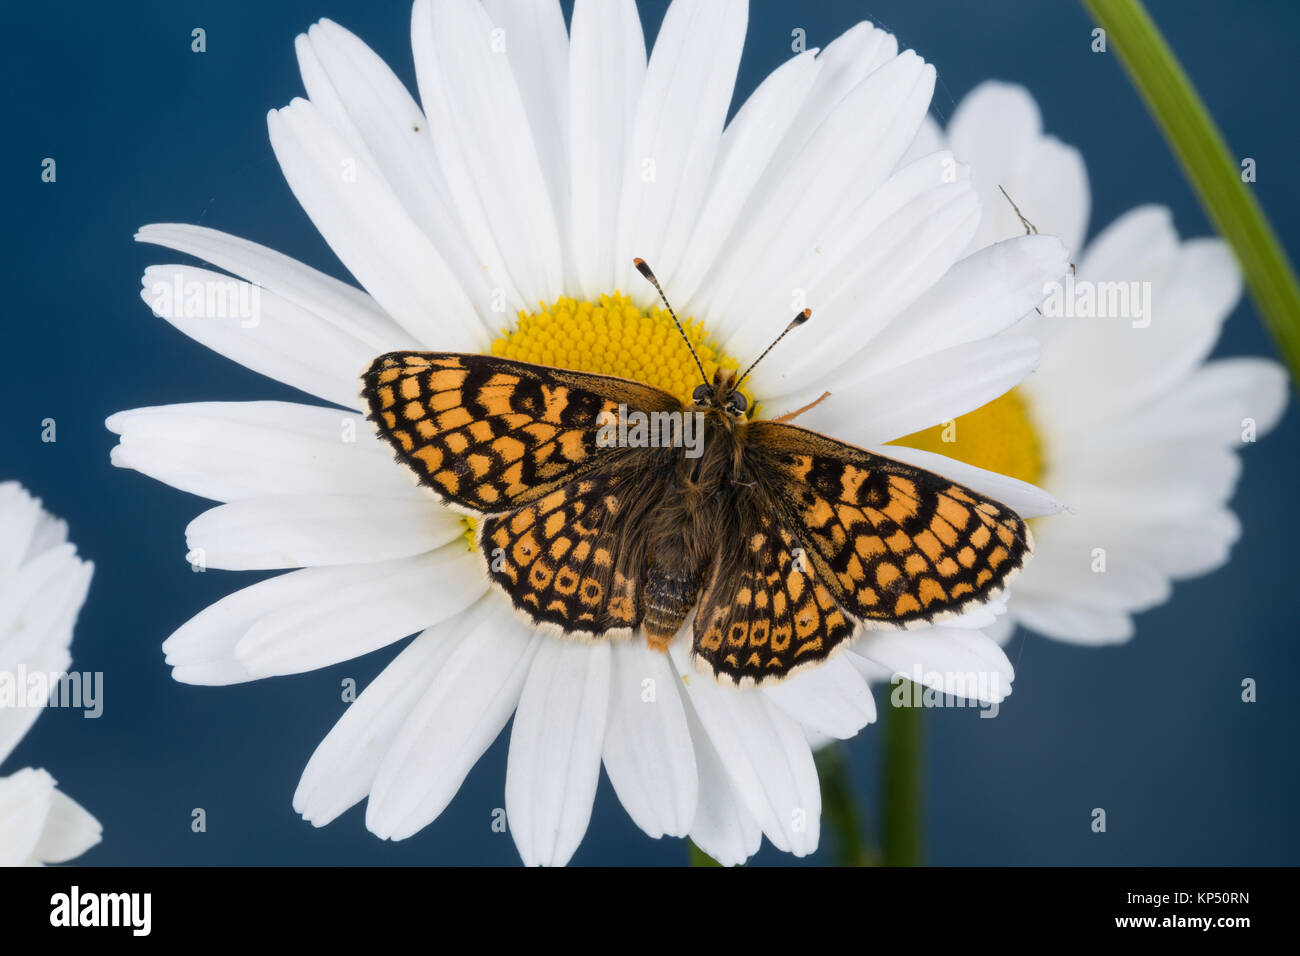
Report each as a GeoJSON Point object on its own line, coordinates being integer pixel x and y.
{"type": "Point", "coordinates": [144, 130]}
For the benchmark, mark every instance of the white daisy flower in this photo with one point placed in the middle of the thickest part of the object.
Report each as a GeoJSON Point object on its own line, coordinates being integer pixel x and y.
{"type": "Point", "coordinates": [1124, 420]}
{"type": "Point", "coordinates": [42, 587]}
{"type": "Point", "coordinates": [503, 215]}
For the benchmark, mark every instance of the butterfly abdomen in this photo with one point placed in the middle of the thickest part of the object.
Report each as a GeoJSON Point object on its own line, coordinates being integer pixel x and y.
{"type": "Point", "coordinates": [685, 529]}
{"type": "Point", "coordinates": [669, 595]}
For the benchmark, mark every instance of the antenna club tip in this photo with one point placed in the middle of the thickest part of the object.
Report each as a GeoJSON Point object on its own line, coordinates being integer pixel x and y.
{"type": "Point", "coordinates": [642, 268]}
{"type": "Point", "coordinates": [806, 314]}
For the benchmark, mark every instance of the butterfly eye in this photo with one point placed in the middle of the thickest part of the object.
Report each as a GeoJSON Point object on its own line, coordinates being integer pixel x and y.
{"type": "Point", "coordinates": [701, 394]}
{"type": "Point", "coordinates": [737, 402]}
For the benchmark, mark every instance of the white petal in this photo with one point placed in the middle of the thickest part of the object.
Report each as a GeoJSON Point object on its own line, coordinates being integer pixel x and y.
{"type": "Point", "coordinates": [980, 296]}
{"type": "Point", "coordinates": [1185, 549]}
{"type": "Point", "coordinates": [20, 516]}
{"type": "Point", "coordinates": [816, 739]}
{"type": "Point", "coordinates": [1001, 630]}
{"type": "Point", "coordinates": [381, 603]}
{"type": "Point", "coordinates": [1185, 309]}
{"type": "Point", "coordinates": [675, 136]}
{"type": "Point", "coordinates": [39, 604]}
{"type": "Point", "coordinates": [903, 259]}
{"type": "Point", "coordinates": [606, 69]}
{"type": "Point", "coordinates": [318, 616]}
{"type": "Point", "coordinates": [872, 409]}
{"type": "Point", "coordinates": [765, 754]}
{"type": "Point", "coordinates": [868, 669]}
{"type": "Point", "coordinates": [1073, 623]}
{"type": "Point", "coordinates": [343, 768]}
{"type": "Point", "coordinates": [997, 129]}
{"type": "Point", "coordinates": [993, 125]}
{"type": "Point", "coordinates": [537, 46]}
{"type": "Point", "coordinates": [467, 702]}
{"type": "Point", "coordinates": [486, 147]}
{"type": "Point", "coordinates": [859, 274]}
{"type": "Point", "coordinates": [1049, 185]}
{"type": "Point", "coordinates": [227, 451]}
{"type": "Point", "coordinates": [723, 826]}
{"type": "Point", "coordinates": [842, 163]}
{"type": "Point", "coordinates": [842, 69]}
{"type": "Point", "coordinates": [1217, 404]}
{"type": "Point", "coordinates": [367, 105]}
{"type": "Point", "coordinates": [555, 747]}
{"type": "Point", "coordinates": [965, 664]}
{"type": "Point", "coordinates": [309, 530]}
{"type": "Point", "coordinates": [1140, 244]}
{"type": "Point", "coordinates": [354, 208]}
{"type": "Point", "coordinates": [848, 60]}
{"type": "Point", "coordinates": [259, 330]}
{"type": "Point", "coordinates": [1067, 564]}
{"type": "Point", "coordinates": [831, 698]}
{"type": "Point", "coordinates": [25, 800]}
{"type": "Point", "coordinates": [747, 146]}
{"type": "Point", "coordinates": [648, 754]}
{"type": "Point", "coordinates": [1221, 396]}
{"type": "Point", "coordinates": [930, 138]}
{"type": "Point", "coordinates": [337, 304]}
{"type": "Point", "coordinates": [1151, 483]}
{"type": "Point", "coordinates": [69, 831]}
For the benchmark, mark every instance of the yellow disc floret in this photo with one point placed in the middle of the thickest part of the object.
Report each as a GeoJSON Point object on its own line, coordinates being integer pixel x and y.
{"type": "Point", "coordinates": [613, 336]}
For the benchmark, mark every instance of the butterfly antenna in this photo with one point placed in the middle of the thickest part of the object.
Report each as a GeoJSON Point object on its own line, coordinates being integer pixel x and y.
{"type": "Point", "coordinates": [797, 321]}
{"type": "Point", "coordinates": [644, 269]}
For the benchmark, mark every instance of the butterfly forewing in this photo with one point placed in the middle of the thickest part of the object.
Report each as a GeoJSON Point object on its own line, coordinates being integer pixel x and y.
{"type": "Point", "coordinates": [487, 434]}
{"type": "Point", "coordinates": [897, 545]}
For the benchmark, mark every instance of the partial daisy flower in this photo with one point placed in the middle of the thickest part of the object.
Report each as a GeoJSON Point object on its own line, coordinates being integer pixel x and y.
{"type": "Point", "coordinates": [42, 587]}
{"type": "Point", "coordinates": [503, 216]}
{"type": "Point", "coordinates": [1124, 420]}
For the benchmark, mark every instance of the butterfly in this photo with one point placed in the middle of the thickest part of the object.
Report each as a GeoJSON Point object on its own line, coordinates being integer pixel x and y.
{"type": "Point", "coordinates": [784, 542]}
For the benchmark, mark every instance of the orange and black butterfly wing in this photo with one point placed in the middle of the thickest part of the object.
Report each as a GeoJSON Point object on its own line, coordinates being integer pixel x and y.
{"type": "Point", "coordinates": [897, 545]}
{"type": "Point", "coordinates": [488, 434]}
{"type": "Point", "coordinates": [764, 612]}
{"type": "Point", "coordinates": [574, 559]}
{"type": "Point", "coordinates": [561, 514]}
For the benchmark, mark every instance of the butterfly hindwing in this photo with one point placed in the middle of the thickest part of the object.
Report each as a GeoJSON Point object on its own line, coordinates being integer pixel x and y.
{"type": "Point", "coordinates": [567, 559]}
{"type": "Point", "coordinates": [487, 434]}
{"type": "Point", "coordinates": [765, 612]}
{"type": "Point", "coordinates": [897, 545]}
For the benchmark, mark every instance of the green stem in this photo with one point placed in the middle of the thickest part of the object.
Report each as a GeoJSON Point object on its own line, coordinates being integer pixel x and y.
{"type": "Point", "coordinates": [900, 804]}
{"type": "Point", "coordinates": [1214, 172]}
{"type": "Point", "coordinates": [699, 857]}
{"type": "Point", "coordinates": [841, 814]}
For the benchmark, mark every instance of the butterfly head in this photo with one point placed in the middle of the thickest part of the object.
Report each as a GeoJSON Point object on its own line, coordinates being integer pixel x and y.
{"type": "Point", "coordinates": [722, 396]}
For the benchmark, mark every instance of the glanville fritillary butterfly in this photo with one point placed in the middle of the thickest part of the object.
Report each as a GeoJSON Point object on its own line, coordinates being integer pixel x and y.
{"type": "Point", "coordinates": [786, 542]}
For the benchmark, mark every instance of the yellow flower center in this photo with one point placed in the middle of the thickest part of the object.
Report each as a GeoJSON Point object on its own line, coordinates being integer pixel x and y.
{"type": "Point", "coordinates": [999, 436]}
{"type": "Point", "coordinates": [612, 336]}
